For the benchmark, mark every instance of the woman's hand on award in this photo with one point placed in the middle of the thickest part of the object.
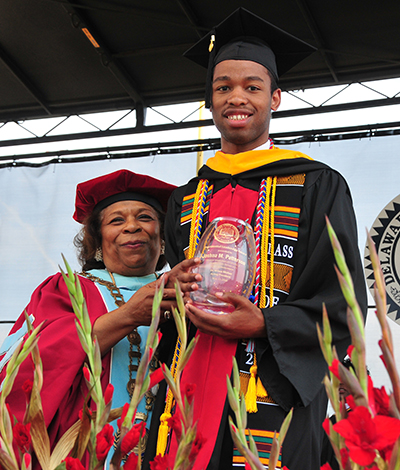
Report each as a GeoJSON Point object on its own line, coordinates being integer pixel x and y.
{"type": "Point", "coordinates": [183, 274]}
{"type": "Point", "coordinates": [246, 320]}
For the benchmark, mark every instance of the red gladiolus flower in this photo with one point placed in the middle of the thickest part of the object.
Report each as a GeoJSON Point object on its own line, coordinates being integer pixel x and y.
{"type": "Point", "coordinates": [80, 413]}
{"type": "Point", "coordinates": [104, 441]}
{"type": "Point", "coordinates": [124, 412]}
{"type": "Point", "coordinates": [247, 466]}
{"type": "Point", "coordinates": [196, 446]}
{"type": "Point", "coordinates": [334, 368]}
{"type": "Point", "coordinates": [131, 438]}
{"type": "Point", "coordinates": [160, 463]}
{"type": "Point", "coordinates": [21, 433]}
{"type": "Point", "coordinates": [156, 377]}
{"type": "Point", "coordinates": [86, 374]}
{"type": "Point", "coordinates": [108, 393]}
{"type": "Point", "coordinates": [131, 462]}
{"type": "Point", "coordinates": [350, 402]}
{"type": "Point", "coordinates": [175, 424]}
{"type": "Point", "coordinates": [344, 457]}
{"type": "Point", "coordinates": [73, 464]}
{"type": "Point", "coordinates": [27, 388]}
{"type": "Point", "coordinates": [364, 435]}
{"type": "Point", "coordinates": [189, 392]}
{"type": "Point", "coordinates": [326, 426]}
{"type": "Point", "coordinates": [381, 401]}
{"type": "Point", "coordinates": [27, 460]}
{"type": "Point", "coordinates": [326, 466]}
{"type": "Point", "coordinates": [371, 399]}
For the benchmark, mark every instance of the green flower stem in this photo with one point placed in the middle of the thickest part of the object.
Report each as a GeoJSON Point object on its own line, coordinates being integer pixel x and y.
{"type": "Point", "coordinates": [243, 448]}
{"type": "Point", "coordinates": [394, 463]}
{"type": "Point", "coordinates": [185, 352]}
{"type": "Point", "coordinates": [349, 295]}
{"type": "Point", "coordinates": [339, 255]}
{"type": "Point", "coordinates": [20, 354]}
{"type": "Point", "coordinates": [358, 354]}
{"type": "Point", "coordinates": [347, 282]}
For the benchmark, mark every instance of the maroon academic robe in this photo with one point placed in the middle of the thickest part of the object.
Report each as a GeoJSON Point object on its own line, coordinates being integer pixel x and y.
{"type": "Point", "coordinates": [62, 355]}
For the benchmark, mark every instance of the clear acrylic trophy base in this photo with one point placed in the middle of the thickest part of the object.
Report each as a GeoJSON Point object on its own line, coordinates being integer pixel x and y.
{"type": "Point", "coordinates": [210, 304]}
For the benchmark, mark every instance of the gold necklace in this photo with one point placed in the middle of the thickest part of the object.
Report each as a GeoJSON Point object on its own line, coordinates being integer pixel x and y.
{"type": "Point", "coordinates": [133, 337]}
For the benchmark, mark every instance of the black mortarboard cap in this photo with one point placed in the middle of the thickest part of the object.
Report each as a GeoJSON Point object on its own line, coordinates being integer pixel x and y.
{"type": "Point", "coordinates": [245, 36]}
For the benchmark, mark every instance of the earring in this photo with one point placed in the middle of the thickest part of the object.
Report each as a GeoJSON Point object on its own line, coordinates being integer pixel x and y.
{"type": "Point", "coordinates": [99, 254]}
{"type": "Point", "coordinates": [162, 247]}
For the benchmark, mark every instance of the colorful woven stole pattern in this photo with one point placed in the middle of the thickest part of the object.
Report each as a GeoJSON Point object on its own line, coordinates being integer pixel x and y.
{"type": "Point", "coordinates": [271, 220]}
{"type": "Point", "coordinates": [263, 441]}
{"type": "Point", "coordinates": [258, 231]}
{"type": "Point", "coordinates": [267, 230]}
{"type": "Point", "coordinates": [199, 201]}
{"type": "Point", "coordinates": [197, 216]}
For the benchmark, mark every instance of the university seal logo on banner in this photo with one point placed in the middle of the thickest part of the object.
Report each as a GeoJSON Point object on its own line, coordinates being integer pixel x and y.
{"type": "Point", "coordinates": [385, 233]}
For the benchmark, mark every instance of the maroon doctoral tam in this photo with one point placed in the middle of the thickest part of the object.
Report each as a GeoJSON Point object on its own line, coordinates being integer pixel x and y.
{"type": "Point", "coordinates": [121, 185]}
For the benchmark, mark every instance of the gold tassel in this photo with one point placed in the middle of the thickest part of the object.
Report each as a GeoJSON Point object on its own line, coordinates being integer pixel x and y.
{"type": "Point", "coordinates": [251, 394]}
{"type": "Point", "coordinates": [261, 392]}
{"type": "Point", "coordinates": [163, 431]}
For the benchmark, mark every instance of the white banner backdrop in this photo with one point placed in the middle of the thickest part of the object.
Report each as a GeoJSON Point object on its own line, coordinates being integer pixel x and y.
{"type": "Point", "coordinates": [36, 207]}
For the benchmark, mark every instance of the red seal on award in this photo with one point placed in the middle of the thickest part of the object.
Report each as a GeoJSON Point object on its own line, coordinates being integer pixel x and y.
{"type": "Point", "coordinates": [226, 233]}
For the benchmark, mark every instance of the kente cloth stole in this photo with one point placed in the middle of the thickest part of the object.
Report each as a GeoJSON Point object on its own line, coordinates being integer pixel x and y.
{"type": "Point", "coordinates": [276, 224]}
{"type": "Point", "coordinates": [279, 209]}
{"type": "Point", "coordinates": [194, 212]}
{"type": "Point", "coordinates": [285, 212]}
{"type": "Point", "coordinates": [263, 441]}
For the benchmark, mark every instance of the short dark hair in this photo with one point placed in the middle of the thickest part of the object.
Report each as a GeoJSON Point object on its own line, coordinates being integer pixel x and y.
{"type": "Point", "coordinates": [88, 239]}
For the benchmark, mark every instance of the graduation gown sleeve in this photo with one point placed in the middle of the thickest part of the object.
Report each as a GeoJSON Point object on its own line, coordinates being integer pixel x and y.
{"type": "Point", "coordinates": [290, 362]}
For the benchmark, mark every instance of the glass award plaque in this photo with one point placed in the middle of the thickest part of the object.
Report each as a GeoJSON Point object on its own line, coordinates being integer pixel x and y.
{"type": "Point", "coordinates": [228, 254]}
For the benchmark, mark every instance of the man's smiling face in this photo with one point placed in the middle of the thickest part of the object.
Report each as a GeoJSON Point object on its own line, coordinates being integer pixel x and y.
{"type": "Point", "coordinates": [242, 103]}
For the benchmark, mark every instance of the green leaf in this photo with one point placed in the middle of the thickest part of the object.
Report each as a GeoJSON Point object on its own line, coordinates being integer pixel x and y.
{"type": "Point", "coordinates": [235, 375]}
{"type": "Point", "coordinates": [70, 272]}
{"type": "Point", "coordinates": [243, 412]}
{"type": "Point", "coordinates": [339, 256]}
{"type": "Point", "coordinates": [171, 382]}
{"type": "Point", "coordinates": [62, 466]}
{"type": "Point", "coordinates": [186, 354]}
{"type": "Point", "coordinates": [252, 445]}
{"type": "Point", "coordinates": [82, 337]}
{"type": "Point", "coordinates": [79, 294]}
{"type": "Point", "coordinates": [232, 396]}
{"type": "Point", "coordinates": [274, 454]}
{"type": "Point", "coordinates": [97, 365]}
{"type": "Point", "coordinates": [285, 426]}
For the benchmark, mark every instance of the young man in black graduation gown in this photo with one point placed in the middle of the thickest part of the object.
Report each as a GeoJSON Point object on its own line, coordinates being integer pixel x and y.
{"type": "Point", "coordinates": [276, 330]}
